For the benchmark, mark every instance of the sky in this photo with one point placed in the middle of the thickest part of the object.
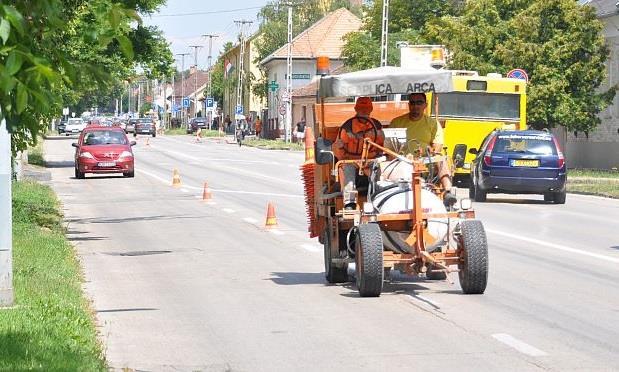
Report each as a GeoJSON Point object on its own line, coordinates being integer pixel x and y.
{"type": "Point", "coordinates": [184, 21]}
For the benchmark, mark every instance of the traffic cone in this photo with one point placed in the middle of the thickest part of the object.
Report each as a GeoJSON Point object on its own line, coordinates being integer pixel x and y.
{"type": "Point", "coordinates": [147, 139]}
{"type": "Point", "coordinates": [176, 179]}
{"type": "Point", "coordinates": [198, 134]}
{"type": "Point", "coordinates": [308, 170]}
{"type": "Point", "coordinates": [271, 221]}
{"type": "Point", "coordinates": [206, 193]}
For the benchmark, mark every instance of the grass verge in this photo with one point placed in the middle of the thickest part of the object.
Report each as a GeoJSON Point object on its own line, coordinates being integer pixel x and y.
{"type": "Point", "coordinates": [593, 182]}
{"type": "Point", "coordinates": [273, 144]}
{"type": "Point", "coordinates": [35, 154]}
{"type": "Point", "coordinates": [51, 327]}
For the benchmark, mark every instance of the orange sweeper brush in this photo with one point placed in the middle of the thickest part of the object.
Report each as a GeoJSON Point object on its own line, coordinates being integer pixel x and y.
{"type": "Point", "coordinates": [307, 173]}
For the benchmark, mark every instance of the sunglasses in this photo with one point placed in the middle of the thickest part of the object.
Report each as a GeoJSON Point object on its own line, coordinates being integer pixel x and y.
{"type": "Point", "coordinates": [418, 102]}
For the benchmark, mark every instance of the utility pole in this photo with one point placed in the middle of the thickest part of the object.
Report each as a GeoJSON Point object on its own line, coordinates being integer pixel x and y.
{"type": "Point", "coordinates": [195, 78]}
{"type": "Point", "coordinates": [239, 88]}
{"type": "Point", "coordinates": [288, 125]}
{"type": "Point", "coordinates": [182, 85]}
{"type": "Point", "coordinates": [385, 34]}
{"type": "Point", "coordinates": [209, 91]}
{"type": "Point", "coordinates": [6, 227]}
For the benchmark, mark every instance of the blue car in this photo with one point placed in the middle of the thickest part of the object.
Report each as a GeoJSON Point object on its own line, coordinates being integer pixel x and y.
{"type": "Point", "coordinates": [519, 162]}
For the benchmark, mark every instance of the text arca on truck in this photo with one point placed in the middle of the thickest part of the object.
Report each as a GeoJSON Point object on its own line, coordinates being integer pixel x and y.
{"type": "Point", "coordinates": [476, 106]}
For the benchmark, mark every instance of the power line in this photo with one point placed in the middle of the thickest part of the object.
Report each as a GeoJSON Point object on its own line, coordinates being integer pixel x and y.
{"type": "Point", "coordinates": [203, 13]}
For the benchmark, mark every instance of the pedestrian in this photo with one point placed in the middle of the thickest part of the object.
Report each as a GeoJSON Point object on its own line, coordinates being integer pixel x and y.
{"type": "Point", "coordinates": [227, 123]}
{"type": "Point", "coordinates": [300, 132]}
{"type": "Point", "coordinates": [428, 134]}
{"type": "Point", "coordinates": [258, 126]}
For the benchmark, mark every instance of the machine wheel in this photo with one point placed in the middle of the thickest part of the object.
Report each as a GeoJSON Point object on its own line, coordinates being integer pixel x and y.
{"type": "Point", "coordinates": [79, 175]}
{"type": "Point", "coordinates": [435, 276]}
{"type": "Point", "coordinates": [369, 260]}
{"type": "Point", "coordinates": [333, 274]}
{"type": "Point", "coordinates": [473, 257]}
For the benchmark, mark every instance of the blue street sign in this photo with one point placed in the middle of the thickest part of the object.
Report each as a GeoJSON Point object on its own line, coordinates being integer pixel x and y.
{"type": "Point", "coordinates": [238, 109]}
{"type": "Point", "coordinates": [186, 102]}
{"type": "Point", "coordinates": [209, 102]}
{"type": "Point", "coordinates": [176, 108]}
{"type": "Point", "coordinates": [518, 73]}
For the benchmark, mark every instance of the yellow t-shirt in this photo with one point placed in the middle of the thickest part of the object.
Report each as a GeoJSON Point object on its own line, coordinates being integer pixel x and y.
{"type": "Point", "coordinates": [425, 130]}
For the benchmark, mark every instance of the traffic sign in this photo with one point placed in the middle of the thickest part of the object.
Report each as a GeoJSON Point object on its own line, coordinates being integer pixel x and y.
{"type": "Point", "coordinates": [186, 102]}
{"type": "Point", "coordinates": [282, 110]}
{"type": "Point", "coordinates": [238, 109]}
{"type": "Point", "coordinates": [209, 102]}
{"type": "Point", "coordinates": [518, 73]}
{"type": "Point", "coordinates": [65, 111]}
{"type": "Point", "coordinates": [273, 86]}
{"type": "Point", "coordinates": [175, 108]}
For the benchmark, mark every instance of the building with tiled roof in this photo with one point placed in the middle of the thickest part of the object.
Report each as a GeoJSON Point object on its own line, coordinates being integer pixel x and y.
{"type": "Point", "coordinates": [323, 38]}
{"type": "Point", "coordinates": [192, 85]}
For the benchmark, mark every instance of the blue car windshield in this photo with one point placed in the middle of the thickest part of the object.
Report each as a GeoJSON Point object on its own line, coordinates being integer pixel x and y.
{"type": "Point", "coordinates": [522, 144]}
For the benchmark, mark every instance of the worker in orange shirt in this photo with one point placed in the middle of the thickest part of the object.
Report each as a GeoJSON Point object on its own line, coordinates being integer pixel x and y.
{"type": "Point", "coordinates": [258, 127]}
{"type": "Point", "coordinates": [349, 146]}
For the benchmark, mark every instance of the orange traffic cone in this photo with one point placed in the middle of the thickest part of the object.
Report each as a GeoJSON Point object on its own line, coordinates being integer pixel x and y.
{"type": "Point", "coordinates": [271, 221]}
{"type": "Point", "coordinates": [176, 179]}
{"type": "Point", "coordinates": [206, 193]}
{"type": "Point", "coordinates": [309, 144]}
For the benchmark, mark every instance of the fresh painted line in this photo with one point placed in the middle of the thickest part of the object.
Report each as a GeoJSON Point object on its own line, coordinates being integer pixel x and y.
{"type": "Point", "coordinates": [310, 248]}
{"type": "Point", "coordinates": [521, 346]}
{"type": "Point", "coordinates": [228, 210]}
{"type": "Point", "coordinates": [184, 190]}
{"type": "Point", "coordinates": [250, 220]}
{"type": "Point", "coordinates": [555, 246]}
{"type": "Point", "coordinates": [276, 232]}
{"type": "Point", "coordinates": [221, 190]}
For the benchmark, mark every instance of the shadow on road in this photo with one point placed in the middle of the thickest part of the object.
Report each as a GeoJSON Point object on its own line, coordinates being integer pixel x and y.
{"type": "Point", "coordinates": [127, 310]}
{"type": "Point", "coordinates": [492, 200]}
{"type": "Point", "coordinates": [297, 278]}
{"type": "Point", "coordinates": [59, 164]}
{"type": "Point", "coordinates": [127, 219]}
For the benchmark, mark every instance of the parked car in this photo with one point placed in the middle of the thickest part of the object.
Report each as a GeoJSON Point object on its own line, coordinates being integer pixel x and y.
{"type": "Point", "coordinates": [145, 126]}
{"type": "Point", "coordinates": [130, 128]}
{"type": "Point", "coordinates": [61, 126]}
{"type": "Point", "coordinates": [519, 162]}
{"type": "Point", "coordinates": [103, 150]}
{"type": "Point", "coordinates": [196, 123]}
{"type": "Point", "coordinates": [74, 126]}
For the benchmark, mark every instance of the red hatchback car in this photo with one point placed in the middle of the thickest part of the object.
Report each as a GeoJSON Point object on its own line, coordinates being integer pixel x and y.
{"type": "Point", "coordinates": [103, 150]}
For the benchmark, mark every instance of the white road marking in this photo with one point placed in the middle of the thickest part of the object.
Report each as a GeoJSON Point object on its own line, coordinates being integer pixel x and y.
{"type": "Point", "coordinates": [184, 190]}
{"type": "Point", "coordinates": [222, 190]}
{"type": "Point", "coordinates": [228, 210]}
{"type": "Point", "coordinates": [276, 232]}
{"type": "Point", "coordinates": [521, 346]}
{"type": "Point", "coordinates": [555, 246]}
{"type": "Point", "coordinates": [250, 220]}
{"type": "Point", "coordinates": [310, 248]}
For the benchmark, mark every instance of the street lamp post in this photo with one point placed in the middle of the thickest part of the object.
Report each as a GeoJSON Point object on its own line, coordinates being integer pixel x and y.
{"type": "Point", "coordinates": [182, 85]}
{"type": "Point", "coordinates": [6, 227]}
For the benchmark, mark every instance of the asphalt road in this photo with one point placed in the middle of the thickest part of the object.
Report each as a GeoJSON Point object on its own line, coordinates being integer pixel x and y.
{"type": "Point", "coordinates": [179, 284]}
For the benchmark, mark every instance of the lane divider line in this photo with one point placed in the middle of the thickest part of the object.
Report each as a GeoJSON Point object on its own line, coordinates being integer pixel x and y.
{"type": "Point", "coordinates": [555, 246]}
{"type": "Point", "coordinates": [250, 220]}
{"type": "Point", "coordinates": [310, 248]}
{"type": "Point", "coordinates": [276, 232]}
{"type": "Point", "coordinates": [521, 346]}
{"type": "Point", "coordinates": [228, 210]}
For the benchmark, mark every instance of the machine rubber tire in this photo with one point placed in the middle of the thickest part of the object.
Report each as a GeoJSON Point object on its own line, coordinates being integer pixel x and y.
{"type": "Point", "coordinates": [369, 260]}
{"type": "Point", "coordinates": [333, 274]}
{"type": "Point", "coordinates": [79, 175]}
{"type": "Point", "coordinates": [435, 276]}
{"type": "Point", "coordinates": [559, 197]}
{"type": "Point", "coordinates": [473, 257]}
{"type": "Point", "coordinates": [479, 194]}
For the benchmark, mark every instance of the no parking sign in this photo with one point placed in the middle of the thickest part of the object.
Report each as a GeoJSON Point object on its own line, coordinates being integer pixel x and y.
{"type": "Point", "coordinates": [518, 73]}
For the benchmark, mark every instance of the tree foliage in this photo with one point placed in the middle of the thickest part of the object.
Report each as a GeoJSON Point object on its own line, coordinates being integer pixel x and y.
{"type": "Point", "coordinates": [558, 42]}
{"type": "Point", "coordinates": [53, 52]}
{"type": "Point", "coordinates": [407, 19]}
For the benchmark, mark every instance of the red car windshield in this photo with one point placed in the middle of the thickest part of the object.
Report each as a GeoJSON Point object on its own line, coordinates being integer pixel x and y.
{"type": "Point", "coordinates": [105, 137]}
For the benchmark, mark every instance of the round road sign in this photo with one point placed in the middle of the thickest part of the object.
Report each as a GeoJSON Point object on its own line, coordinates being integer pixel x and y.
{"type": "Point", "coordinates": [518, 73]}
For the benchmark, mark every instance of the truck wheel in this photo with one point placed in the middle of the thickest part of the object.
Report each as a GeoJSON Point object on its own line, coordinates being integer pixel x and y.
{"type": "Point", "coordinates": [473, 257]}
{"type": "Point", "coordinates": [333, 273]}
{"type": "Point", "coordinates": [369, 260]}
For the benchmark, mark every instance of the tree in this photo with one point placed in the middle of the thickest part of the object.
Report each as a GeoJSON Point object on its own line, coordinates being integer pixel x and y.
{"type": "Point", "coordinates": [97, 38]}
{"type": "Point", "coordinates": [558, 42]}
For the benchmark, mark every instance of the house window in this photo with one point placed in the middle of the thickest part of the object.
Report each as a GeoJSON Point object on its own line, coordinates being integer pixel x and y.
{"type": "Point", "coordinates": [304, 113]}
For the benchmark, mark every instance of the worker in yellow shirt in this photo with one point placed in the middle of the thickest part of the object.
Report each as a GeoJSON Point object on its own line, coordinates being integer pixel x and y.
{"type": "Point", "coordinates": [426, 133]}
